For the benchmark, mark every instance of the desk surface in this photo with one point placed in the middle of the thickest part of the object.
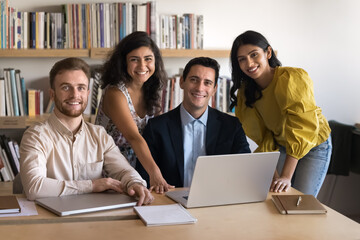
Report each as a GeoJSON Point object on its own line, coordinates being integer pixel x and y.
{"type": "Point", "coordinates": [241, 221]}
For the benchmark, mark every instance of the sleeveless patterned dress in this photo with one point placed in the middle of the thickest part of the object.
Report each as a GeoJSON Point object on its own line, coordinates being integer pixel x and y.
{"type": "Point", "coordinates": [111, 129]}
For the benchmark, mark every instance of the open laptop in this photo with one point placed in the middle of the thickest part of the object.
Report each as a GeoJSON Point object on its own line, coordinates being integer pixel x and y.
{"type": "Point", "coordinates": [84, 203]}
{"type": "Point", "coordinates": [228, 179]}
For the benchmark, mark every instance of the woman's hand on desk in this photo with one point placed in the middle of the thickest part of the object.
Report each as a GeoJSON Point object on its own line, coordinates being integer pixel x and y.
{"type": "Point", "coordinates": [280, 184]}
{"type": "Point", "coordinates": [144, 195]}
{"type": "Point", "coordinates": [158, 184]}
{"type": "Point", "coordinates": [103, 184]}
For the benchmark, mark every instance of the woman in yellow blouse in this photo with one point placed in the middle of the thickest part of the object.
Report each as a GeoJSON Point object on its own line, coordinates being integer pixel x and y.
{"type": "Point", "coordinates": [277, 109]}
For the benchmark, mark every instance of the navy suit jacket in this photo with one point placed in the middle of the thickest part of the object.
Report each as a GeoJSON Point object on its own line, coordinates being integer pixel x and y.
{"type": "Point", "coordinates": [163, 134]}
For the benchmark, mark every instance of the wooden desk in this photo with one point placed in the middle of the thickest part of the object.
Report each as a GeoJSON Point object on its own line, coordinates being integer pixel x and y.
{"type": "Point", "coordinates": [241, 221]}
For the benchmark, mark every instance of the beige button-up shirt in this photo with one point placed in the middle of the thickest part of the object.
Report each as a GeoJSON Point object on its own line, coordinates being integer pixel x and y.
{"type": "Point", "coordinates": [56, 162]}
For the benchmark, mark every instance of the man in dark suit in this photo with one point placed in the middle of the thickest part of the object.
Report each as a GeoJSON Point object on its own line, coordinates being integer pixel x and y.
{"type": "Point", "coordinates": [178, 137]}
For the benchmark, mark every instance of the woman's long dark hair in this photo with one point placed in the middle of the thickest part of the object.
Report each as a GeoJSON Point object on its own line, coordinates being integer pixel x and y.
{"type": "Point", "coordinates": [239, 78]}
{"type": "Point", "coordinates": [115, 69]}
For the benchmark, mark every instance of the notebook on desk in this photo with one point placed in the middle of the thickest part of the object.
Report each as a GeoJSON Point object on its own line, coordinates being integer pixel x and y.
{"type": "Point", "coordinates": [85, 203]}
{"type": "Point", "coordinates": [228, 179]}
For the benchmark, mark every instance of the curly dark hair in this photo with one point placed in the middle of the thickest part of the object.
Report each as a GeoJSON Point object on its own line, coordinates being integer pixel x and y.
{"type": "Point", "coordinates": [252, 90]}
{"type": "Point", "coordinates": [115, 69]}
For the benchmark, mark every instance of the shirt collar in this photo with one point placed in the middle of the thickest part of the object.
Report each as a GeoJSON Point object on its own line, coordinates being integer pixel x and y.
{"type": "Point", "coordinates": [59, 126]}
{"type": "Point", "coordinates": [187, 118]}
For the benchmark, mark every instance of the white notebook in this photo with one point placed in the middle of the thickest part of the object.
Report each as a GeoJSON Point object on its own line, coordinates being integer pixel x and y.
{"type": "Point", "coordinates": [170, 214]}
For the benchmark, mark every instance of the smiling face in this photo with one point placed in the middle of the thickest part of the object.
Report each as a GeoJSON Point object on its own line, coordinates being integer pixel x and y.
{"type": "Point", "coordinates": [140, 64]}
{"type": "Point", "coordinates": [254, 61]}
{"type": "Point", "coordinates": [199, 87]}
{"type": "Point", "coordinates": [70, 93]}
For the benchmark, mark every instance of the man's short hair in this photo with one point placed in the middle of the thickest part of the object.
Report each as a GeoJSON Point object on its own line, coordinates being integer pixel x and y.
{"type": "Point", "coordinates": [203, 61]}
{"type": "Point", "coordinates": [67, 64]}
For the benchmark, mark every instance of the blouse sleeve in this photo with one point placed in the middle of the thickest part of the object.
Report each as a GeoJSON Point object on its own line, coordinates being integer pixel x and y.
{"type": "Point", "coordinates": [254, 126]}
{"type": "Point", "coordinates": [294, 94]}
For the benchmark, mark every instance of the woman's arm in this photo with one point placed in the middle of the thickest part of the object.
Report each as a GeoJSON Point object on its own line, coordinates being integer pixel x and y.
{"type": "Point", "coordinates": [283, 182]}
{"type": "Point", "coordinates": [115, 106]}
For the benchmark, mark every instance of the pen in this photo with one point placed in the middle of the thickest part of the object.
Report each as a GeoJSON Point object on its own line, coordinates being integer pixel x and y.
{"type": "Point", "coordinates": [298, 201]}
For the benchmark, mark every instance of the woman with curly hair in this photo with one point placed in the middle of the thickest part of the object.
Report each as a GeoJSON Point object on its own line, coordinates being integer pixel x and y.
{"type": "Point", "coordinates": [131, 80]}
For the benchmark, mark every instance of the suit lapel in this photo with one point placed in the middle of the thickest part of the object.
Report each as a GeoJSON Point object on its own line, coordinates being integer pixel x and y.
{"type": "Point", "coordinates": [212, 131]}
{"type": "Point", "coordinates": [175, 130]}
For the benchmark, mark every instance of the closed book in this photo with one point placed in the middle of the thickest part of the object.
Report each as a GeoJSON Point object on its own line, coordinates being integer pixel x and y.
{"type": "Point", "coordinates": [2, 97]}
{"type": "Point", "coordinates": [9, 204]}
{"type": "Point", "coordinates": [298, 204]}
{"type": "Point", "coordinates": [19, 92]}
{"type": "Point", "coordinates": [31, 102]}
{"type": "Point", "coordinates": [170, 214]}
{"type": "Point", "coordinates": [14, 92]}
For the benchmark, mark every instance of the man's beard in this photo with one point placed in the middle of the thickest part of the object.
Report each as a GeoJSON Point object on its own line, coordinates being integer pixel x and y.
{"type": "Point", "coordinates": [67, 112]}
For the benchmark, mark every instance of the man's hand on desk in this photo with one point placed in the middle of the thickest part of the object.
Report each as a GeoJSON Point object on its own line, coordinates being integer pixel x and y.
{"type": "Point", "coordinates": [144, 195]}
{"type": "Point", "coordinates": [103, 184]}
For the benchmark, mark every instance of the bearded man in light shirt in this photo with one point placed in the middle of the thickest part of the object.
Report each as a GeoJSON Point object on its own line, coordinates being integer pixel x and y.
{"type": "Point", "coordinates": [66, 155]}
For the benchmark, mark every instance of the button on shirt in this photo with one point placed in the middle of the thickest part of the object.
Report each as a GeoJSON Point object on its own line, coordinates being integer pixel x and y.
{"type": "Point", "coordinates": [194, 135]}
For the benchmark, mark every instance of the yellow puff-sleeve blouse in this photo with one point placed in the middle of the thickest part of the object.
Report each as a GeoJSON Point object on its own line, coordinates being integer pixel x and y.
{"type": "Point", "coordinates": [286, 115]}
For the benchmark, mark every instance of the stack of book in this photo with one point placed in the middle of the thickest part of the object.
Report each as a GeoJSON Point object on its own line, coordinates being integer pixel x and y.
{"type": "Point", "coordinates": [9, 158]}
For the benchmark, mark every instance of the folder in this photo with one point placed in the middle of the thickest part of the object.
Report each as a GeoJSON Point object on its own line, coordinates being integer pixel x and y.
{"type": "Point", "coordinates": [298, 204]}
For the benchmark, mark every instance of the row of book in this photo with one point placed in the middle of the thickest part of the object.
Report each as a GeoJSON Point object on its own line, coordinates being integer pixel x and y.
{"type": "Point", "coordinates": [15, 99]}
{"type": "Point", "coordinates": [89, 25]}
{"type": "Point", "coordinates": [172, 94]}
{"type": "Point", "coordinates": [181, 32]}
{"type": "Point", "coordinates": [9, 159]}
{"type": "Point", "coordinates": [96, 25]}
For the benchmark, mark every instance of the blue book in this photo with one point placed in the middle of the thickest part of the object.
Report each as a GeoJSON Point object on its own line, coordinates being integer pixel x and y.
{"type": "Point", "coordinates": [101, 10]}
{"type": "Point", "coordinates": [33, 30]}
{"type": "Point", "coordinates": [23, 93]}
{"type": "Point", "coordinates": [84, 28]}
{"type": "Point", "coordinates": [14, 92]}
{"type": "Point", "coordinates": [18, 32]}
{"type": "Point", "coordinates": [123, 21]}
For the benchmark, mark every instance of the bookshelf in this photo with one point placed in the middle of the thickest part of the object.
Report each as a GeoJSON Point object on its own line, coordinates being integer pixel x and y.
{"type": "Point", "coordinates": [93, 53]}
{"type": "Point", "coordinates": [102, 53]}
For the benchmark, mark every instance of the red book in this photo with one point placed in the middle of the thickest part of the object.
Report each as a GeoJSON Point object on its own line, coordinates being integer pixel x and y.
{"type": "Point", "coordinates": [37, 102]}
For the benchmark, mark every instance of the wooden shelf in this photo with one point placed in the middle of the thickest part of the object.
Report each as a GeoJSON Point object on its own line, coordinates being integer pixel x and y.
{"type": "Point", "coordinates": [26, 121]}
{"type": "Point", "coordinates": [44, 53]}
{"type": "Point", "coordinates": [102, 53]}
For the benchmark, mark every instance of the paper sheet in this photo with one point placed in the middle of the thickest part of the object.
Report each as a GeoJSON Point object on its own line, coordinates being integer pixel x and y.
{"type": "Point", "coordinates": [28, 208]}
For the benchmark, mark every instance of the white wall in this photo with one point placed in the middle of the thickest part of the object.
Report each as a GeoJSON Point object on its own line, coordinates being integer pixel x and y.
{"type": "Point", "coordinates": [321, 36]}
